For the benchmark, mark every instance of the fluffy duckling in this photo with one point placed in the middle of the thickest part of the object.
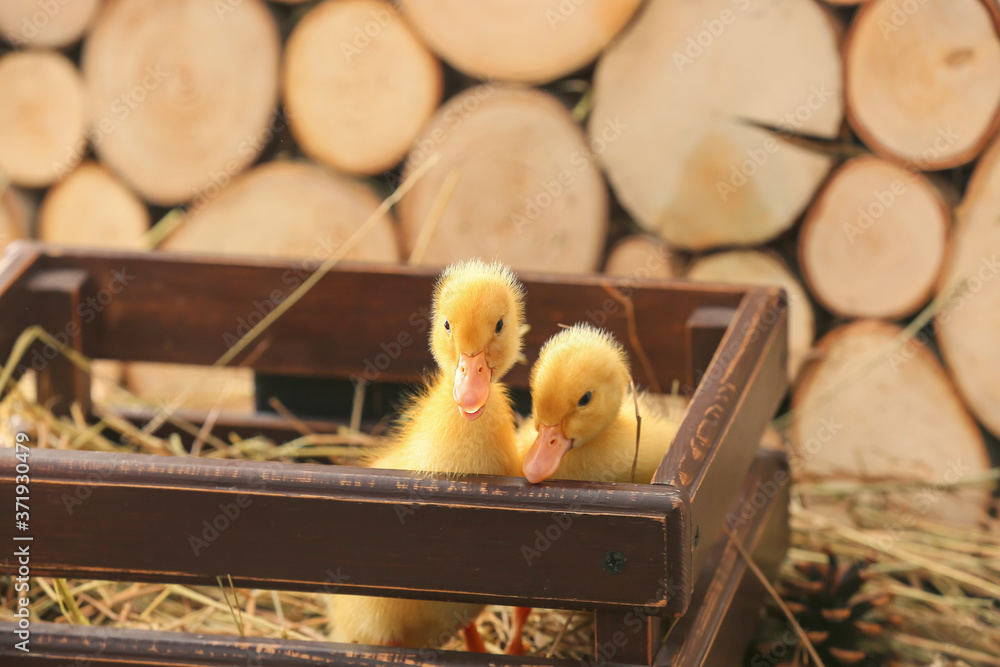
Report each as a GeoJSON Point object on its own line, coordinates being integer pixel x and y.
{"type": "Point", "coordinates": [583, 422]}
{"type": "Point", "coordinates": [462, 423]}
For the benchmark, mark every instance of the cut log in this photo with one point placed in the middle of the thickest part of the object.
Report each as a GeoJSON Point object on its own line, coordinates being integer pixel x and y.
{"type": "Point", "coordinates": [923, 79]}
{"type": "Point", "coordinates": [755, 267]}
{"type": "Point", "coordinates": [91, 207]}
{"type": "Point", "coordinates": [287, 209]}
{"type": "Point", "coordinates": [358, 85]}
{"type": "Point", "coordinates": [45, 24]}
{"type": "Point", "coordinates": [968, 326]}
{"type": "Point", "coordinates": [874, 241]}
{"type": "Point", "coordinates": [15, 214]}
{"type": "Point", "coordinates": [527, 192]}
{"type": "Point", "coordinates": [866, 407]}
{"type": "Point", "coordinates": [42, 118]}
{"type": "Point", "coordinates": [175, 113]}
{"type": "Point", "coordinates": [518, 40]}
{"type": "Point", "coordinates": [280, 209]}
{"type": "Point", "coordinates": [204, 389]}
{"type": "Point", "coordinates": [640, 257]}
{"type": "Point", "coordinates": [672, 101]}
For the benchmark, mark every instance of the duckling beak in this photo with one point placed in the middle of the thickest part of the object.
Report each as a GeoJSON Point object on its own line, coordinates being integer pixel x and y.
{"type": "Point", "coordinates": [472, 385]}
{"type": "Point", "coordinates": [542, 460]}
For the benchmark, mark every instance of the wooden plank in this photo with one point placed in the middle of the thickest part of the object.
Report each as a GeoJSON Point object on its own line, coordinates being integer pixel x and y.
{"type": "Point", "coordinates": [268, 425]}
{"type": "Point", "coordinates": [17, 263]}
{"type": "Point", "coordinates": [716, 442]}
{"type": "Point", "coordinates": [719, 624]}
{"type": "Point", "coordinates": [727, 595]}
{"type": "Point", "coordinates": [59, 645]}
{"type": "Point", "coordinates": [305, 527]}
{"type": "Point", "coordinates": [631, 636]}
{"type": "Point", "coordinates": [705, 329]}
{"type": "Point", "coordinates": [183, 309]}
{"type": "Point", "coordinates": [58, 299]}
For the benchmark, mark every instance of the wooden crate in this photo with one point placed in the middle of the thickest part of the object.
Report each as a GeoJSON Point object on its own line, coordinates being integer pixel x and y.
{"type": "Point", "coordinates": [461, 539]}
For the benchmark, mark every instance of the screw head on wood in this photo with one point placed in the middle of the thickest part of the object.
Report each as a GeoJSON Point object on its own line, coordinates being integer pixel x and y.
{"type": "Point", "coordinates": [614, 561]}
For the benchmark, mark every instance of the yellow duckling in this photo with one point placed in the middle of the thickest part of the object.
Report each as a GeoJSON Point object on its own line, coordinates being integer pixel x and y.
{"type": "Point", "coordinates": [461, 423]}
{"type": "Point", "coordinates": [583, 421]}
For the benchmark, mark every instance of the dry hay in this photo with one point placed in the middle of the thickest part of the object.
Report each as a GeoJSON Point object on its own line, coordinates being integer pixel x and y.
{"type": "Point", "coordinates": [944, 582]}
{"type": "Point", "coordinates": [220, 609]}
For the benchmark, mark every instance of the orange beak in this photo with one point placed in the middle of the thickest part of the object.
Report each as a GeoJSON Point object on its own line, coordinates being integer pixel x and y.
{"type": "Point", "coordinates": [472, 385]}
{"type": "Point", "coordinates": [542, 460]}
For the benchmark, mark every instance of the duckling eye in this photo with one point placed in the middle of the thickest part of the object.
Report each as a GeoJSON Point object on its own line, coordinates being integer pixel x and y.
{"type": "Point", "coordinates": [499, 327]}
{"type": "Point", "coordinates": [584, 400]}
{"type": "Point", "coordinates": [447, 327]}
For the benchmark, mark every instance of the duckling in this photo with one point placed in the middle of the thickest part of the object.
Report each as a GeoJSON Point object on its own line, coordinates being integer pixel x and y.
{"type": "Point", "coordinates": [461, 423]}
{"type": "Point", "coordinates": [583, 421]}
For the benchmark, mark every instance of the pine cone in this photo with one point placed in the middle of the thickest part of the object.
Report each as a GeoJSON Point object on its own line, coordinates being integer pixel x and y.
{"type": "Point", "coordinates": [845, 627]}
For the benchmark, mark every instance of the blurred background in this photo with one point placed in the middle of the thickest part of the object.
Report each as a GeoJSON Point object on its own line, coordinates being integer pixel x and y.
{"type": "Point", "coordinates": [842, 150]}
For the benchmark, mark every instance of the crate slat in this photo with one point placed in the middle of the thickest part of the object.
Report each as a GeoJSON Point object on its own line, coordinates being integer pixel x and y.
{"type": "Point", "coordinates": [736, 398]}
{"type": "Point", "coordinates": [314, 527]}
{"type": "Point", "coordinates": [715, 625]}
{"type": "Point", "coordinates": [183, 309]}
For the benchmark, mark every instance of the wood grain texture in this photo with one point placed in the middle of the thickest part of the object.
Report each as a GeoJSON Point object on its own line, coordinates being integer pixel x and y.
{"type": "Point", "coordinates": [734, 401]}
{"type": "Point", "coordinates": [365, 531]}
{"type": "Point", "coordinates": [60, 297]}
{"type": "Point", "coordinates": [55, 645]}
{"type": "Point", "coordinates": [727, 595]}
{"type": "Point", "coordinates": [183, 309]}
{"type": "Point", "coordinates": [705, 330]}
{"type": "Point", "coordinates": [18, 262]}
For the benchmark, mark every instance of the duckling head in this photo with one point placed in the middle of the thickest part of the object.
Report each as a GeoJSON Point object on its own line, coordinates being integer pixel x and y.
{"type": "Point", "coordinates": [577, 388]}
{"type": "Point", "coordinates": [476, 319]}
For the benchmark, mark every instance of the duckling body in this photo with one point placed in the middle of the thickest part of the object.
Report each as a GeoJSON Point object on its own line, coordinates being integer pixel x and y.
{"type": "Point", "coordinates": [608, 456]}
{"type": "Point", "coordinates": [462, 423]}
{"type": "Point", "coordinates": [583, 422]}
{"type": "Point", "coordinates": [434, 438]}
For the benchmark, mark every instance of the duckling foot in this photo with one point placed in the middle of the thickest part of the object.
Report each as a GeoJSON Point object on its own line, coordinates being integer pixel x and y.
{"type": "Point", "coordinates": [516, 644]}
{"type": "Point", "coordinates": [473, 640]}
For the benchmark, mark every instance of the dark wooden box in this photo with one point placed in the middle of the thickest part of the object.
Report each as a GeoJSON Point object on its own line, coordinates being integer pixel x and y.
{"type": "Point", "coordinates": [684, 579]}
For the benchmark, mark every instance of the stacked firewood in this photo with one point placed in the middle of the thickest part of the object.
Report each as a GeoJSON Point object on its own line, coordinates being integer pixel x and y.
{"type": "Point", "coordinates": [839, 151]}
